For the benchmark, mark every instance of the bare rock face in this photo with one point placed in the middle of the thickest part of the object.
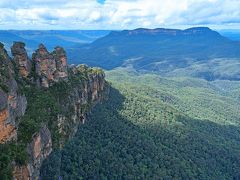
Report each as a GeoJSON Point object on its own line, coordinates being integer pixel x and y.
{"type": "Point", "coordinates": [84, 96]}
{"type": "Point", "coordinates": [45, 65]}
{"type": "Point", "coordinates": [21, 172]}
{"type": "Point", "coordinates": [7, 130]}
{"type": "Point", "coordinates": [38, 150]}
{"type": "Point", "coordinates": [21, 58]}
{"type": "Point", "coordinates": [12, 104]}
{"type": "Point", "coordinates": [50, 67]}
{"type": "Point", "coordinates": [61, 63]}
{"type": "Point", "coordinates": [96, 87]}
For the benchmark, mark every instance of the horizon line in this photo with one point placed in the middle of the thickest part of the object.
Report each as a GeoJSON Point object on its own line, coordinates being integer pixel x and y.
{"type": "Point", "coordinates": [217, 29]}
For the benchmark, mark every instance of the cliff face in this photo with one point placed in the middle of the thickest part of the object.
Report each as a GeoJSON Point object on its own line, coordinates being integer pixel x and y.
{"type": "Point", "coordinates": [12, 104]}
{"type": "Point", "coordinates": [81, 98]}
{"type": "Point", "coordinates": [38, 150]}
{"type": "Point", "coordinates": [75, 90]}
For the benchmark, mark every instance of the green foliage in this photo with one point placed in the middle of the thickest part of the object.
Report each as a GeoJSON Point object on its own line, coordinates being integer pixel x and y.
{"type": "Point", "coordinates": [6, 156]}
{"type": "Point", "coordinates": [215, 101]}
{"type": "Point", "coordinates": [60, 90]}
{"type": "Point", "coordinates": [83, 72]}
{"type": "Point", "coordinates": [142, 132]}
{"type": "Point", "coordinates": [8, 153]}
{"type": "Point", "coordinates": [95, 71]}
{"type": "Point", "coordinates": [4, 74]}
{"type": "Point", "coordinates": [44, 106]}
{"type": "Point", "coordinates": [4, 71]}
{"type": "Point", "coordinates": [42, 109]}
{"type": "Point", "coordinates": [4, 87]}
{"type": "Point", "coordinates": [212, 69]}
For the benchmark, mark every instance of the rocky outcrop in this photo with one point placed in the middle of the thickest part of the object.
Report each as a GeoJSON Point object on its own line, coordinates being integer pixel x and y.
{"type": "Point", "coordinates": [21, 59]}
{"type": "Point", "coordinates": [7, 131]}
{"type": "Point", "coordinates": [50, 67]}
{"type": "Point", "coordinates": [12, 103]}
{"type": "Point", "coordinates": [45, 66]}
{"type": "Point", "coordinates": [38, 150]}
{"type": "Point", "coordinates": [85, 88]}
{"type": "Point", "coordinates": [60, 58]}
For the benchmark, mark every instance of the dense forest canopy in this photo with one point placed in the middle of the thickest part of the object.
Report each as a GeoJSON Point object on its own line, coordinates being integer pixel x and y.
{"type": "Point", "coordinates": [148, 132]}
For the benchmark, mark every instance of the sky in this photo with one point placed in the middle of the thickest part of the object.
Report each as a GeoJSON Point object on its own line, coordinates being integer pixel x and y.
{"type": "Point", "coordinates": [118, 14]}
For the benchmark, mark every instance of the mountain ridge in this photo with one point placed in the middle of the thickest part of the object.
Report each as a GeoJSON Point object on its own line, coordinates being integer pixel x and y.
{"type": "Point", "coordinates": [157, 31]}
{"type": "Point", "coordinates": [153, 50]}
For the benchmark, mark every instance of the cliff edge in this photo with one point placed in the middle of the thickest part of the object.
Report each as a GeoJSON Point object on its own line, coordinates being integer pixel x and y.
{"type": "Point", "coordinates": [42, 103]}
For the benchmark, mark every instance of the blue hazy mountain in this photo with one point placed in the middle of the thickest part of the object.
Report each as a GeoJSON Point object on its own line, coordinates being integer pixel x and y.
{"type": "Point", "coordinates": [51, 38]}
{"type": "Point", "coordinates": [150, 49]}
{"type": "Point", "coordinates": [231, 34]}
{"type": "Point", "coordinates": [7, 38]}
{"type": "Point", "coordinates": [198, 52]}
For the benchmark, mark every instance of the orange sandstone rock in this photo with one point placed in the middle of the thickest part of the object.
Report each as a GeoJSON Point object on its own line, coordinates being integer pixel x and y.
{"type": "Point", "coordinates": [21, 173]}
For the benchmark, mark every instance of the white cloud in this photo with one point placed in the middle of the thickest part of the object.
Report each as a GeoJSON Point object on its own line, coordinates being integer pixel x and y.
{"type": "Point", "coordinates": [94, 16]}
{"type": "Point", "coordinates": [118, 14]}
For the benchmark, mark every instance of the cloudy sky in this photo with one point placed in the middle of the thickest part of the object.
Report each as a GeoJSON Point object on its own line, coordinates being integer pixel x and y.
{"type": "Point", "coordinates": [118, 14]}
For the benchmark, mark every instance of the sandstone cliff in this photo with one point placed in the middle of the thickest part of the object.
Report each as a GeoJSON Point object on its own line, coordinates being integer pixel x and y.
{"type": "Point", "coordinates": [12, 103]}
{"type": "Point", "coordinates": [42, 103]}
{"type": "Point", "coordinates": [39, 149]}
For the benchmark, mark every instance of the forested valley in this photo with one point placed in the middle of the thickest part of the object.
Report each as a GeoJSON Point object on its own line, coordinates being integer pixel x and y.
{"type": "Point", "coordinates": [143, 132]}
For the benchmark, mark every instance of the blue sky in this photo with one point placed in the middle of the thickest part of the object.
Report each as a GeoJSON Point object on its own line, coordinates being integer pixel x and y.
{"type": "Point", "coordinates": [101, 1]}
{"type": "Point", "coordinates": [118, 14]}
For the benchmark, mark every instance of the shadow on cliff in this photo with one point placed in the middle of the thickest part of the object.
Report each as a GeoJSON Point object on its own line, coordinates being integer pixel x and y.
{"type": "Point", "coordinates": [109, 145]}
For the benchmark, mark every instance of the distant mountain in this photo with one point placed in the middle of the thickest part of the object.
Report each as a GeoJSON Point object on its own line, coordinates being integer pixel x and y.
{"type": "Point", "coordinates": [196, 52]}
{"type": "Point", "coordinates": [69, 39]}
{"type": "Point", "coordinates": [156, 49]}
{"type": "Point", "coordinates": [7, 38]}
{"type": "Point", "coordinates": [231, 34]}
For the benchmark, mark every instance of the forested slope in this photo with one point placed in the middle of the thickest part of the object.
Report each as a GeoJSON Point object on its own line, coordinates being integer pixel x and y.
{"type": "Point", "coordinates": [144, 135]}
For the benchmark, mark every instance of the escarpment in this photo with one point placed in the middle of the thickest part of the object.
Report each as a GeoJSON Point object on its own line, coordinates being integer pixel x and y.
{"type": "Point", "coordinates": [42, 103]}
{"type": "Point", "coordinates": [12, 103]}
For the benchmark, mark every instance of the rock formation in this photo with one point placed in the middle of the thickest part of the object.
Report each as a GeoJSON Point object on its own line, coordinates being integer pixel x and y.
{"type": "Point", "coordinates": [60, 58]}
{"type": "Point", "coordinates": [21, 58]}
{"type": "Point", "coordinates": [50, 67]}
{"type": "Point", "coordinates": [85, 87]}
{"type": "Point", "coordinates": [45, 65]}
